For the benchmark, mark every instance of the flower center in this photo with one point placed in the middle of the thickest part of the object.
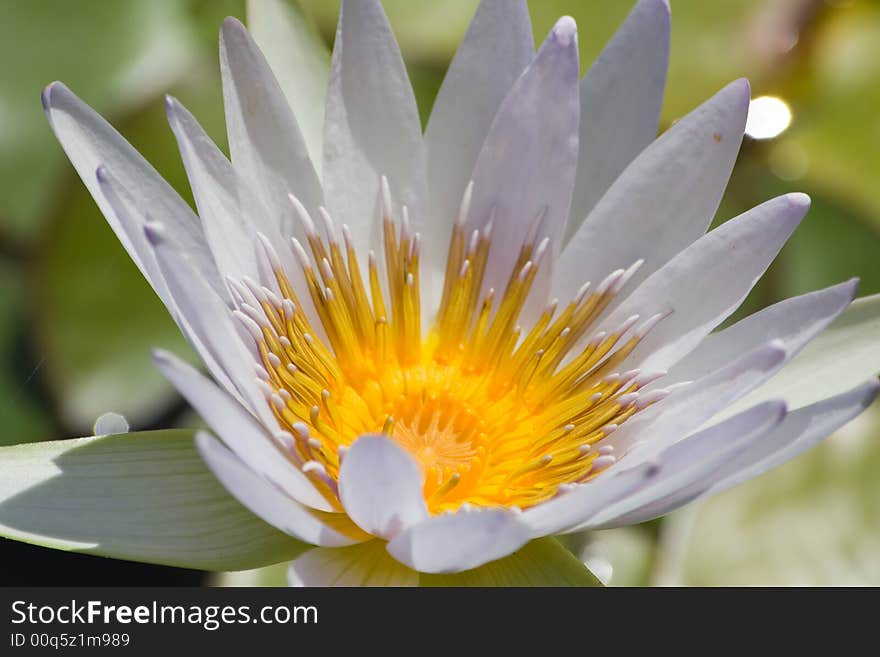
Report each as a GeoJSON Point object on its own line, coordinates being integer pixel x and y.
{"type": "Point", "coordinates": [494, 415]}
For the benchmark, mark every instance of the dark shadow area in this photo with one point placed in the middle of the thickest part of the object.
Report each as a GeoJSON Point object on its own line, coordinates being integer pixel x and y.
{"type": "Point", "coordinates": [30, 565]}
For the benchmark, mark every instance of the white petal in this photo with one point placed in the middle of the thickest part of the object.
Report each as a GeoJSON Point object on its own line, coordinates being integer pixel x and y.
{"type": "Point", "coordinates": [380, 486]}
{"type": "Point", "coordinates": [688, 408]}
{"type": "Point", "coordinates": [264, 499]}
{"type": "Point", "coordinates": [575, 506]}
{"type": "Point", "coordinates": [232, 214]}
{"type": "Point", "coordinates": [367, 564]}
{"type": "Point", "coordinates": [219, 194]}
{"type": "Point", "coordinates": [372, 125]}
{"type": "Point", "coordinates": [496, 49]}
{"type": "Point", "coordinates": [207, 338]}
{"type": "Point", "coordinates": [841, 357]}
{"type": "Point", "coordinates": [707, 281]}
{"type": "Point", "coordinates": [660, 427]}
{"type": "Point", "coordinates": [794, 322]}
{"type": "Point", "coordinates": [207, 325]}
{"type": "Point", "coordinates": [128, 219]}
{"type": "Point", "coordinates": [90, 142]}
{"type": "Point", "coordinates": [527, 164]}
{"type": "Point", "coordinates": [265, 143]}
{"type": "Point", "coordinates": [664, 200]}
{"type": "Point", "coordinates": [300, 60]}
{"type": "Point", "coordinates": [689, 467]}
{"type": "Point", "coordinates": [468, 538]}
{"type": "Point", "coordinates": [770, 446]}
{"type": "Point", "coordinates": [240, 431]}
{"type": "Point", "coordinates": [621, 97]}
{"type": "Point", "coordinates": [801, 430]}
{"type": "Point", "coordinates": [542, 562]}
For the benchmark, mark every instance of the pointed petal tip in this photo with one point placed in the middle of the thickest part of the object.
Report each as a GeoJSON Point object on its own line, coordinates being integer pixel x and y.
{"type": "Point", "coordinates": [161, 357]}
{"type": "Point", "coordinates": [233, 33]}
{"type": "Point", "coordinates": [231, 25]}
{"type": "Point", "coordinates": [867, 393]}
{"type": "Point", "coordinates": [204, 442]}
{"type": "Point", "coordinates": [853, 285]}
{"type": "Point", "coordinates": [46, 95]}
{"type": "Point", "coordinates": [175, 114]}
{"type": "Point", "coordinates": [743, 88]}
{"type": "Point", "coordinates": [660, 7]}
{"type": "Point", "coordinates": [798, 200]}
{"type": "Point", "coordinates": [777, 409]}
{"type": "Point", "coordinates": [565, 31]}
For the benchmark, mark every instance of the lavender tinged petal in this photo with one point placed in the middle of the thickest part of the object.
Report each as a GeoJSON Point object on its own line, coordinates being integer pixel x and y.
{"type": "Point", "coordinates": [459, 541]}
{"type": "Point", "coordinates": [621, 97]}
{"type": "Point", "coordinates": [706, 282]}
{"type": "Point", "coordinates": [664, 200]}
{"type": "Point", "coordinates": [527, 164]}
{"type": "Point", "coordinates": [794, 321]}
{"type": "Point", "coordinates": [496, 49]}
{"type": "Point", "coordinates": [372, 125]}
{"type": "Point", "coordinates": [300, 61]}
{"type": "Point", "coordinates": [265, 143]}
{"type": "Point", "coordinates": [240, 431]}
{"type": "Point", "coordinates": [90, 142]}
{"type": "Point", "coordinates": [264, 499]}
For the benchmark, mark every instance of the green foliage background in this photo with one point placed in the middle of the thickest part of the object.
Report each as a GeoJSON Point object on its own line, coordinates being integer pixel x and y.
{"type": "Point", "coordinates": [78, 321]}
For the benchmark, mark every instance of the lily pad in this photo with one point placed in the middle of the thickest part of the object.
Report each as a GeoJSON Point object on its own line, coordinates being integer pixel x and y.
{"type": "Point", "coordinates": [140, 496]}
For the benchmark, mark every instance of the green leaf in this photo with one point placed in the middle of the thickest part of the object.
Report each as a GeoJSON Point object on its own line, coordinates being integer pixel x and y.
{"type": "Point", "coordinates": [543, 562]}
{"type": "Point", "coordinates": [364, 564]}
{"type": "Point", "coordinates": [844, 355]}
{"type": "Point", "coordinates": [274, 575]}
{"type": "Point", "coordinates": [813, 523]}
{"type": "Point", "coordinates": [139, 496]}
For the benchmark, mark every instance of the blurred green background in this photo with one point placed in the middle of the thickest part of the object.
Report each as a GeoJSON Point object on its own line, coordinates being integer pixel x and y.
{"type": "Point", "coordinates": [78, 321]}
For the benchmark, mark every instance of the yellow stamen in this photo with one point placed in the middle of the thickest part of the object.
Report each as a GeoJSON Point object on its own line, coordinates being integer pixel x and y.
{"type": "Point", "coordinates": [495, 415]}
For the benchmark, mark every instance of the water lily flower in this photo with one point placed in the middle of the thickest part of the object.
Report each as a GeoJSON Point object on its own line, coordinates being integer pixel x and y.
{"type": "Point", "coordinates": [431, 352]}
